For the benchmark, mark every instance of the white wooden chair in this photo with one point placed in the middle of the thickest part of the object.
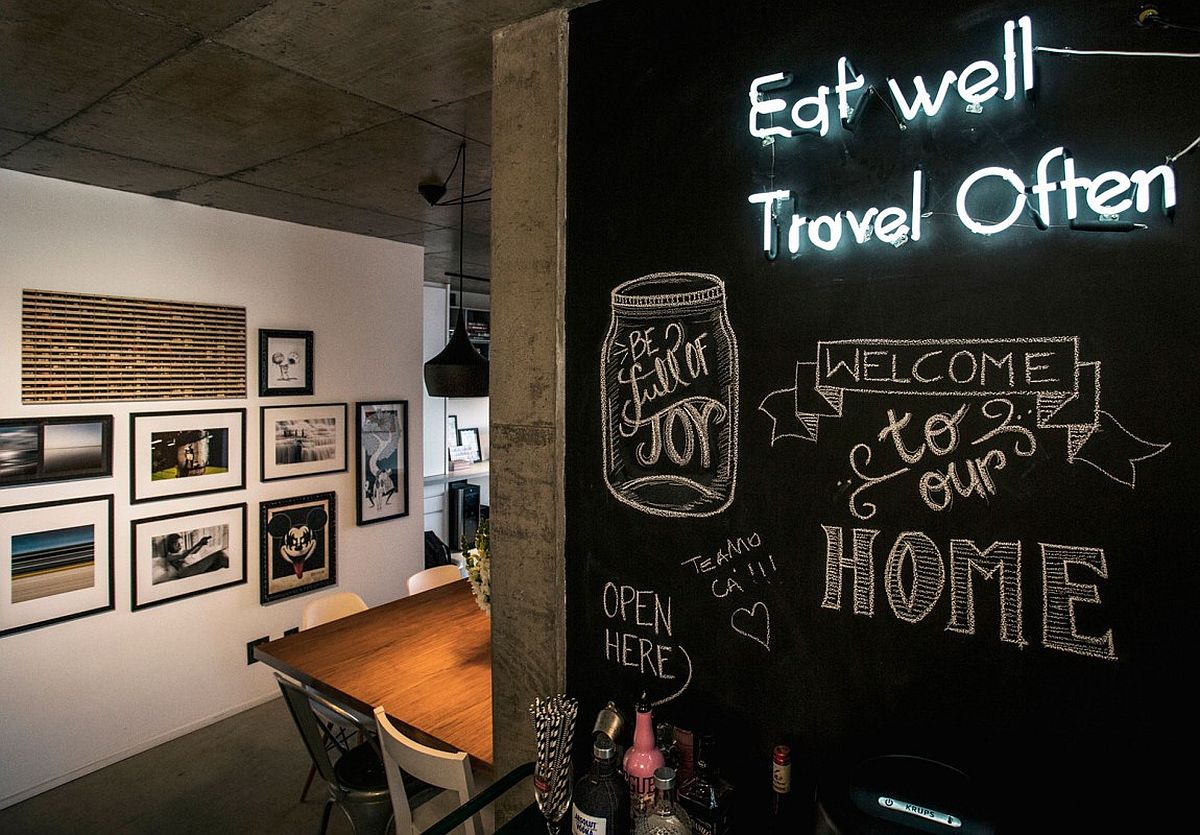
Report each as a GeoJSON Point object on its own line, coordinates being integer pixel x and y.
{"type": "Point", "coordinates": [431, 578]}
{"type": "Point", "coordinates": [337, 731]}
{"type": "Point", "coordinates": [442, 769]}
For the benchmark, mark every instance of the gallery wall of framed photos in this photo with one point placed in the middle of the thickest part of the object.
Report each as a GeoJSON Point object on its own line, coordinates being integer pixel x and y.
{"type": "Point", "coordinates": [137, 526]}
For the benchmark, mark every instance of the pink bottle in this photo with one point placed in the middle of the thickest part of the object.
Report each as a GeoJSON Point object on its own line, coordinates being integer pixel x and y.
{"type": "Point", "coordinates": [641, 760]}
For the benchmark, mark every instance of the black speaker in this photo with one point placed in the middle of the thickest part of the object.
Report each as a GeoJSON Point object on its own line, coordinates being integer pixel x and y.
{"type": "Point", "coordinates": [464, 513]}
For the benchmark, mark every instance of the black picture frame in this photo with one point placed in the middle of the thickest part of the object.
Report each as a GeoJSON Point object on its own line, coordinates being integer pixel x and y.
{"type": "Point", "coordinates": [206, 574]}
{"type": "Point", "coordinates": [278, 351]}
{"type": "Point", "coordinates": [283, 455]}
{"type": "Point", "coordinates": [152, 436]}
{"type": "Point", "coordinates": [39, 450]}
{"type": "Point", "coordinates": [381, 460]}
{"type": "Point", "coordinates": [469, 436]}
{"type": "Point", "coordinates": [84, 582]}
{"type": "Point", "coordinates": [310, 518]}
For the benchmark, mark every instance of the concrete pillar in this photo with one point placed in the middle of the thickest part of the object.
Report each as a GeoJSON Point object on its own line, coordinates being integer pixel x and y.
{"type": "Point", "coordinates": [527, 381]}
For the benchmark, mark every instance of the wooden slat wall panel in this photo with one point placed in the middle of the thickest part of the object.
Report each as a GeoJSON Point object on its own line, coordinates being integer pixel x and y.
{"type": "Point", "coordinates": [77, 347]}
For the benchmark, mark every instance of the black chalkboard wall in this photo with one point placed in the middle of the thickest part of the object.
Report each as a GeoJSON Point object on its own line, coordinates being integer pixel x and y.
{"type": "Point", "coordinates": [994, 430]}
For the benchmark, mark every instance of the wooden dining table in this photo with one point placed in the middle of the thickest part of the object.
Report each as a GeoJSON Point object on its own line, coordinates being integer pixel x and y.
{"type": "Point", "coordinates": [427, 658]}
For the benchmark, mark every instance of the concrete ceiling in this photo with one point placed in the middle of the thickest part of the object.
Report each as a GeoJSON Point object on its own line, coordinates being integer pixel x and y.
{"type": "Point", "coordinates": [322, 112]}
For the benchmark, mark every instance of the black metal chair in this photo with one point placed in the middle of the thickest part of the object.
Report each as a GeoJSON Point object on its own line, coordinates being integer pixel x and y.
{"type": "Point", "coordinates": [357, 782]}
{"type": "Point", "coordinates": [338, 735]}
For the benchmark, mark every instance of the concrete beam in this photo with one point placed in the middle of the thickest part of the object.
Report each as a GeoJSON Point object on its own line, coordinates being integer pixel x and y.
{"type": "Point", "coordinates": [527, 390]}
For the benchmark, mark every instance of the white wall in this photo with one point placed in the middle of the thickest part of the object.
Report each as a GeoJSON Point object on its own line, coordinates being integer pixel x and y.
{"type": "Point", "coordinates": [434, 324]}
{"type": "Point", "coordinates": [78, 695]}
{"type": "Point", "coordinates": [473, 411]}
{"type": "Point", "coordinates": [470, 411]}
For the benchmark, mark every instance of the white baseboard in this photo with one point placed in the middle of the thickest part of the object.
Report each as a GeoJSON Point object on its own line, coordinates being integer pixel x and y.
{"type": "Point", "coordinates": [144, 745]}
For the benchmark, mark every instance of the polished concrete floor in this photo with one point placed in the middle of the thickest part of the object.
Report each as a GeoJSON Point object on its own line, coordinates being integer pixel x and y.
{"type": "Point", "coordinates": [240, 775]}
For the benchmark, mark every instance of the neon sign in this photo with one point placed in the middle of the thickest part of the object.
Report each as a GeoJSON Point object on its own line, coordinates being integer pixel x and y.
{"type": "Point", "coordinates": [1108, 194]}
{"type": "Point", "coordinates": [976, 84]}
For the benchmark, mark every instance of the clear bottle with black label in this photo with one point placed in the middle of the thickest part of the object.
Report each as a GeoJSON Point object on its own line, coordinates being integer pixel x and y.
{"type": "Point", "coordinates": [707, 797]}
{"type": "Point", "coordinates": [600, 803]}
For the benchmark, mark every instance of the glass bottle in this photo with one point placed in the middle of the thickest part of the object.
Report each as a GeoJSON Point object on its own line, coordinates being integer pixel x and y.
{"type": "Point", "coordinates": [781, 788]}
{"type": "Point", "coordinates": [664, 734]}
{"type": "Point", "coordinates": [665, 816]}
{"type": "Point", "coordinates": [600, 803]}
{"type": "Point", "coordinates": [641, 761]}
{"type": "Point", "coordinates": [708, 795]}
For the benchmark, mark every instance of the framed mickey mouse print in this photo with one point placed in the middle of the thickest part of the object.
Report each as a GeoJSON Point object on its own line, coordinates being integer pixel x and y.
{"type": "Point", "coordinates": [298, 552]}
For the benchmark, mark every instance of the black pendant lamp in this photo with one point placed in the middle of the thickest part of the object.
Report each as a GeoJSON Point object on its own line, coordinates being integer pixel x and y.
{"type": "Point", "coordinates": [459, 370]}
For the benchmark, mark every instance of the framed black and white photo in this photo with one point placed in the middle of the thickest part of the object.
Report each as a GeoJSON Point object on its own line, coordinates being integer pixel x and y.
{"type": "Point", "coordinates": [298, 552]}
{"type": "Point", "coordinates": [56, 562]}
{"type": "Point", "coordinates": [285, 362]}
{"type": "Point", "coordinates": [38, 450]}
{"type": "Point", "coordinates": [451, 430]}
{"type": "Point", "coordinates": [381, 453]}
{"type": "Point", "coordinates": [303, 440]}
{"type": "Point", "coordinates": [184, 554]}
{"type": "Point", "coordinates": [470, 438]}
{"type": "Point", "coordinates": [174, 454]}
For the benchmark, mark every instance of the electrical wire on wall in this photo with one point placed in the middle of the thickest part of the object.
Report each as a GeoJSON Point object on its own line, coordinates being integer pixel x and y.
{"type": "Point", "coordinates": [1148, 15]}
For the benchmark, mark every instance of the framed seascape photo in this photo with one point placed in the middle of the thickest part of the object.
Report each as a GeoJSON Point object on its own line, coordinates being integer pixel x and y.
{"type": "Point", "coordinates": [470, 438]}
{"type": "Point", "coordinates": [381, 452]}
{"type": "Point", "coordinates": [37, 450]}
{"type": "Point", "coordinates": [56, 562]}
{"type": "Point", "coordinates": [186, 453]}
{"type": "Point", "coordinates": [298, 553]}
{"type": "Point", "coordinates": [303, 440]}
{"type": "Point", "coordinates": [285, 362]}
{"type": "Point", "coordinates": [185, 554]}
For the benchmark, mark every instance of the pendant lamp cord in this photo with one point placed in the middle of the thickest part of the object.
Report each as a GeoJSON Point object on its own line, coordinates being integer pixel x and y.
{"type": "Point", "coordinates": [462, 213]}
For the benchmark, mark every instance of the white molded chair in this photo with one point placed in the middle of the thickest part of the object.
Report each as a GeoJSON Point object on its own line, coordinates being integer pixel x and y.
{"type": "Point", "coordinates": [337, 731]}
{"type": "Point", "coordinates": [442, 769]}
{"type": "Point", "coordinates": [331, 607]}
{"type": "Point", "coordinates": [431, 578]}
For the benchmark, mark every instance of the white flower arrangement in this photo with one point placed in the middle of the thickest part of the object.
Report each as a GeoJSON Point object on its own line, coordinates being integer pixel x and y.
{"type": "Point", "coordinates": [479, 567]}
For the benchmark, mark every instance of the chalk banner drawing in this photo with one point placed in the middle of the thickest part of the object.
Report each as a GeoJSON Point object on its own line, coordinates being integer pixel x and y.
{"type": "Point", "coordinates": [1067, 391]}
{"type": "Point", "coordinates": [669, 396]}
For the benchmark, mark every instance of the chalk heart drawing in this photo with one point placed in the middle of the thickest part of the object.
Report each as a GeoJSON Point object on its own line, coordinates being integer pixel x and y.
{"type": "Point", "coordinates": [754, 623]}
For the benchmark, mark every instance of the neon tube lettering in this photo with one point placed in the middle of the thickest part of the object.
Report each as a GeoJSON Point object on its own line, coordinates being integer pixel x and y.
{"type": "Point", "coordinates": [975, 226]}
{"type": "Point", "coordinates": [760, 106]}
{"type": "Point", "coordinates": [769, 199]}
{"type": "Point", "coordinates": [844, 86]}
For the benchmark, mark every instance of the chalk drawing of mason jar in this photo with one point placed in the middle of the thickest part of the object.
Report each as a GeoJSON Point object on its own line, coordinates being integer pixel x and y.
{"type": "Point", "coordinates": [669, 378]}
